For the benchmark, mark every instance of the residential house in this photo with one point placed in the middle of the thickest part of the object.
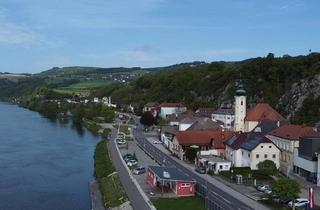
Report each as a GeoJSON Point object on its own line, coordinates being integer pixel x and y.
{"type": "Point", "coordinates": [306, 159]}
{"type": "Point", "coordinates": [202, 140]}
{"type": "Point", "coordinates": [167, 109]}
{"type": "Point", "coordinates": [168, 179]}
{"type": "Point", "coordinates": [175, 119]}
{"type": "Point", "coordinates": [266, 126]}
{"type": "Point", "coordinates": [259, 113]}
{"type": "Point", "coordinates": [205, 124]}
{"type": "Point", "coordinates": [287, 138]}
{"type": "Point", "coordinates": [226, 116]}
{"type": "Point", "coordinates": [204, 112]}
{"type": "Point", "coordinates": [167, 134]}
{"type": "Point", "coordinates": [151, 107]}
{"type": "Point", "coordinates": [249, 149]}
{"type": "Point", "coordinates": [107, 101]}
{"type": "Point", "coordinates": [212, 163]}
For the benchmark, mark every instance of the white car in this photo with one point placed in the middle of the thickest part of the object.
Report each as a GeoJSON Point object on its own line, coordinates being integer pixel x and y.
{"type": "Point", "coordinates": [132, 163]}
{"type": "Point", "coordinates": [157, 142]}
{"type": "Point", "coordinates": [264, 188]}
{"type": "Point", "coordinates": [299, 202]}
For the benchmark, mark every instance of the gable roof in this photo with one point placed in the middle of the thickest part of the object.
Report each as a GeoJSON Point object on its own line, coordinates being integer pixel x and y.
{"type": "Point", "coordinates": [205, 123]}
{"type": "Point", "coordinates": [171, 105]}
{"type": "Point", "coordinates": [263, 111]}
{"type": "Point", "coordinates": [151, 104]}
{"type": "Point", "coordinates": [247, 141]}
{"type": "Point", "coordinates": [294, 132]}
{"type": "Point", "coordinates": [180, 116]}
{"type": "Point", "coordinates": [203, 138]}
{"type": "Point", "coordinates": [173, 173]}
{"type": "Point", "coordinates": [266, 126]}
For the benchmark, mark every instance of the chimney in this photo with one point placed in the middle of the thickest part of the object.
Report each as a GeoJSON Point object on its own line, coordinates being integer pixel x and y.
{"type": "Point", "coordinates": [278, 123]}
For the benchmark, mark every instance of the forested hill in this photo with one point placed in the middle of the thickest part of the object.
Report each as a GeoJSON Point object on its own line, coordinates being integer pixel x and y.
{"type": "Point", "coordinates": [291, 84]}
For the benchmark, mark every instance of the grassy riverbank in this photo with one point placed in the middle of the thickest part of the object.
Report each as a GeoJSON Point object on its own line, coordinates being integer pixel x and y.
{"type": "Point", "coordinates": [179, 203]}
{"type": "Point", "coordinates": [110, 186]}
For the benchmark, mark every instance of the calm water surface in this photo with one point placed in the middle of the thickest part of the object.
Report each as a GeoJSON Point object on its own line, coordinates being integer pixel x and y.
{"type": "Point", "coordinates": [44, 165]}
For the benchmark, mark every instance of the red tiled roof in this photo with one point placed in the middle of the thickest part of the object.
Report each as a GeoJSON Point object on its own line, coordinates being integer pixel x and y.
{"type": "Point", "coordinates": [202, 138]}
{"type": "Point", "coordinates": [294, 132]}
{"type": "Point", "coordinates": [165, 104]}
{"type": "Point", "coordinates": [263, 111]}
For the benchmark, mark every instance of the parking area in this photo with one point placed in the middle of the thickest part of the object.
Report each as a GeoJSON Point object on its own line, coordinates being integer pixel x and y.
{"type": "Point", "coordinates": [143, 160]}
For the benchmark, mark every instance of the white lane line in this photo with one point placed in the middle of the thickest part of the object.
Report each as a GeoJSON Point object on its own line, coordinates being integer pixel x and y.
{"type": "Point", "coordinates": [216, 194]}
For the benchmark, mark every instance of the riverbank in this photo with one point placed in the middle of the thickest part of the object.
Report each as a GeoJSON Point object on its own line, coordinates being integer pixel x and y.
{"type": "Point", "coordinates": [112, 192]}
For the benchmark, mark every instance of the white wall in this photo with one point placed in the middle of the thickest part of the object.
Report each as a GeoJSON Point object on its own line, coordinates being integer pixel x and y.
{"type": "Point", "coordinates": [240, 112]}
{"type": "Point", "coordinates": [171, 110]}
{"type": "Point", "coordinates": [305, 164]}
{"type": "Point", "coordinates": [250, 125]}
{"type": "Point", "coordinates": [183, 127]}
{"type": "Point", "coordinates": [227, 119]}
{"type": "Point", "coordinates": [263, 149]}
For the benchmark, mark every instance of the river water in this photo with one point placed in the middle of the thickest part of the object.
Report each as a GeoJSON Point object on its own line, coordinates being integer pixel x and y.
{"type": "Point", "coordinates": [44, 164]}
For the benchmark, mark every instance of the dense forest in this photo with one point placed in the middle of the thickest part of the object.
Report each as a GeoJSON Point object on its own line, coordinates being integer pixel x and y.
{"type": "Point", "coordinates": [266, 79]}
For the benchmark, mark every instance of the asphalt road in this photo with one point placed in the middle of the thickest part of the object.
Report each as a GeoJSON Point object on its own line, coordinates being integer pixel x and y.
{"type": "Point", "coordinates": [136, 199]}
{"type": "Point", "coordinates": [216, 198]}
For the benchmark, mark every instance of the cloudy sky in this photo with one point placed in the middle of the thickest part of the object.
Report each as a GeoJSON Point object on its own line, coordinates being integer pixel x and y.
{"type": "Point", "coordinates": [36, 35]}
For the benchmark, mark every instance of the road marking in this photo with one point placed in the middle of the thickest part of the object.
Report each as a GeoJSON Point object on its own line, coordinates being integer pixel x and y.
{"type": "Point", "coordinates": [216, 194]}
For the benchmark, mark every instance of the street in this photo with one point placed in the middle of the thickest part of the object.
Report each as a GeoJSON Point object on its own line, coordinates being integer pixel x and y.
{"type": "Point", "coordinates": [221, 197]}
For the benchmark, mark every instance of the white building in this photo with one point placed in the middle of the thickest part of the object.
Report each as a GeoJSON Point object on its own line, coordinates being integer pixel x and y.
{"type": "Point", "coordinates": [226, 116]}
{"type": "Point", "coordinates": [213, 163]}
{"type": "Point", "coordinates": [167, 109]}
{"type": "Point", "coordinates": [249, 149]}
{"type": "Point", "coordinates": [107, 101]}
{"type": "Point", "coordinates": [240, 108]}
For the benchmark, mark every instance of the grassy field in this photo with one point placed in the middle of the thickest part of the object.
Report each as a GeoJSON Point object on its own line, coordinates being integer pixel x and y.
{"type": "Point", "coordinates": [82, 87]}
{"type": "Point", "coordinates": [188, 203]}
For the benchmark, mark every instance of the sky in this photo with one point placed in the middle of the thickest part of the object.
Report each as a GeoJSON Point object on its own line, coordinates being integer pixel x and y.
{"type": "Point", "coordinates": [36, 35]}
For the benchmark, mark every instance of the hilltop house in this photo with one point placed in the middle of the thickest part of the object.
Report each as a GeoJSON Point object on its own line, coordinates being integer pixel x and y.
{"type": "Point", "coordinates": [287, 138]}
{"type": "Point", "coordinates": [248, 149]}
{"type": "Point", "coordinates": [259, 113]}
{"type": "Point", "coordinates": [167, 109]}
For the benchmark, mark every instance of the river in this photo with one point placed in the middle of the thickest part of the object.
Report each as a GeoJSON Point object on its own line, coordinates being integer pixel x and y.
{"type": "Point", "coordinates": [44, 164]}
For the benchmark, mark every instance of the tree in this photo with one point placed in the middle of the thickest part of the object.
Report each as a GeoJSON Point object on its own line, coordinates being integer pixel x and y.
{"type": "Point", "coordinates": [191, 153]}
{"type": "Point", "coordinates": [147, 119]}
{"type": "Point", "coordinates": [267, 167]}
{"type": "Point", "coordinates": [108, 114]}
{"type": "Point", "coordinates": [285, 188]}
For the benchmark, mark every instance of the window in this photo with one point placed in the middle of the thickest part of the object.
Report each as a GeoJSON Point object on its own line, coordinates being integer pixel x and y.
{"type": "Point", "coordinates": [242, 152]}
{"type": "Point", "coordinates": [257, 155]}
{"type": "Point", "coordinates": [248, 154]}
{"type": "Point", "coordinates": [274, 156]}
{"type": "Point", "coordinates": [265, 156]}
{"type": "Point", "coordinates": [220, 167]}
{"type": "Point", "coordinates": [241, 103]}
{"type": "Point", "coordinates": [261, 146]}
{"type": "Point", "coordinates": [270, 147]}
{"type": "Point", "coordinates": [185, 185]}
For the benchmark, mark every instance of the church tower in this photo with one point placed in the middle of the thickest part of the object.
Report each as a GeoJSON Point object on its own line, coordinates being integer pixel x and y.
{"type": "Point", "coordinates": [240, 108]}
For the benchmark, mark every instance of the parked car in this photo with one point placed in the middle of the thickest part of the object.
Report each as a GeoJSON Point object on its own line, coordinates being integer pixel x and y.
{"type": "Point", "coordinates": [200, 170]}
{"type": "Point", "coordinates": [263, 188]}
{"type": "Point", "coordinates": [121, 142]}
{"type": "Point", "coordinates": [157, 142]}
{"type": "Point", "coordinates": [300, 202]}
{"type": "Point", "coordinates": [139, 170]}
{"type": "Point", "coordinates": [132, 163]}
